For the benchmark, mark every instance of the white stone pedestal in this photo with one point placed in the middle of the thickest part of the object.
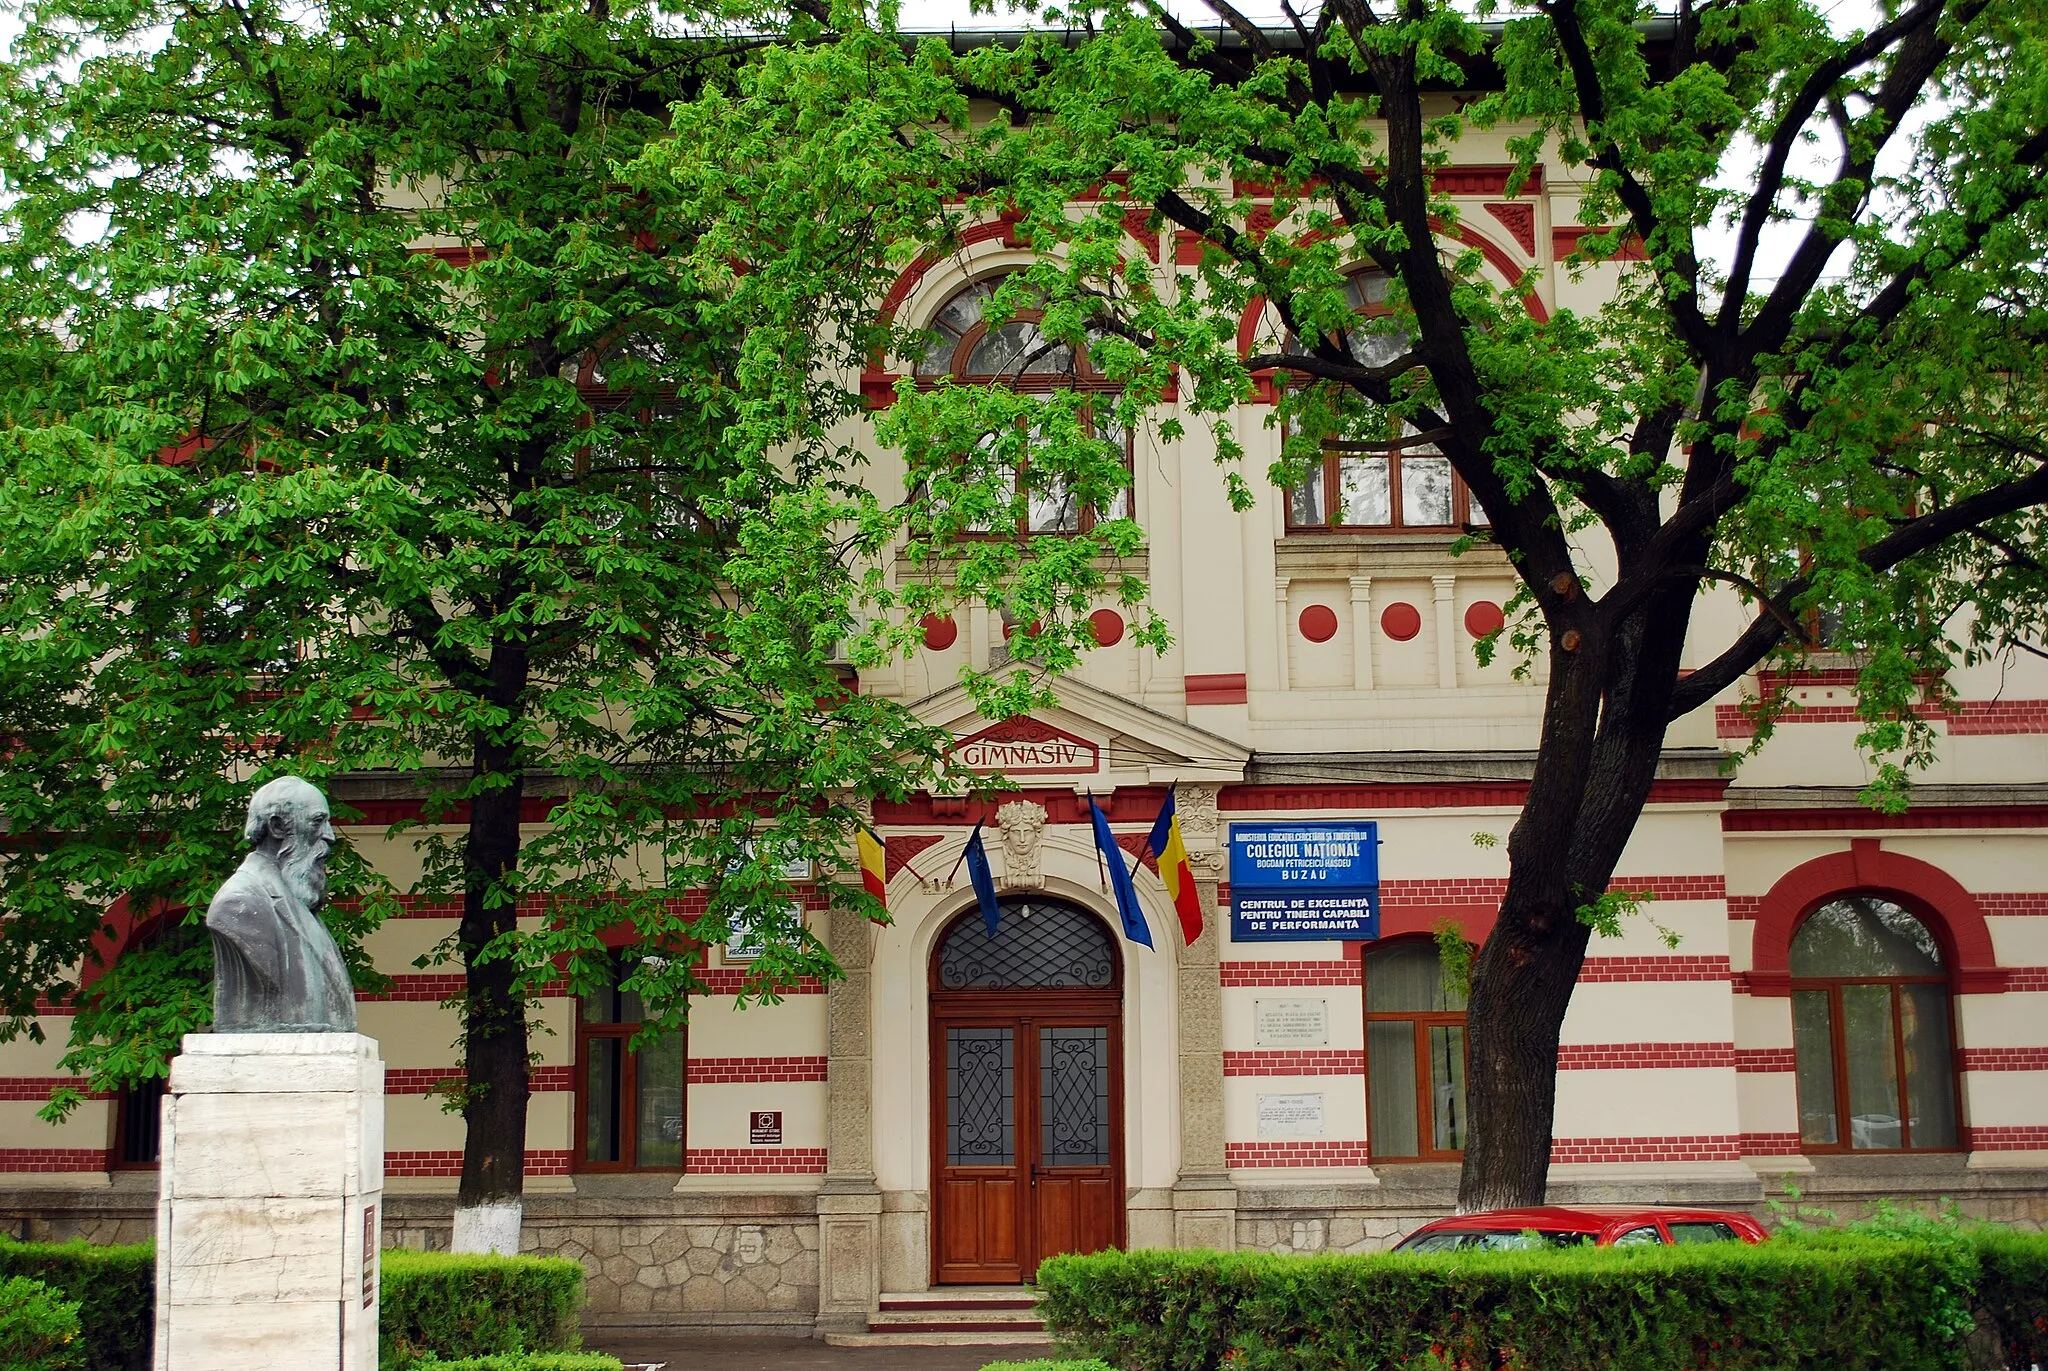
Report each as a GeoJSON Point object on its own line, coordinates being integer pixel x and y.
{"type": "Point", "coordinates": [269, 1213]}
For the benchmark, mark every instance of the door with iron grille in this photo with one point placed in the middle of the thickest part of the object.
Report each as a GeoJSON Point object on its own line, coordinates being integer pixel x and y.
{"type": "Point", "coordinates": [1027, 1089]}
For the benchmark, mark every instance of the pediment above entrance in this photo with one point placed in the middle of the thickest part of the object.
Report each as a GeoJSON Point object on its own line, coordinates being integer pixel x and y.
{"type": "Point", "coordinates": [1091, 738]}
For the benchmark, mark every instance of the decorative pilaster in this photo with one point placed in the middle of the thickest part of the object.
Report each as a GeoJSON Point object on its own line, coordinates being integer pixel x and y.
{"type": "Point", "coordinates": [1204, 1201]}
{"type": "Point", "coordinates": [850, 1203]}
{"type": "Point", "coordinates": [1283, 637]}
{"type": "Point", "coordinates": [1361, 632]}
{"type": "Point", "coordinates": [1446, 631]}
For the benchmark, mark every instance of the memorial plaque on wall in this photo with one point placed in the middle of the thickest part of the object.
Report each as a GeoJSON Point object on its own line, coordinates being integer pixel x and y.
{"type": "Point", "coordinates": [1291, 1023]}
{"type": "Point", "coordinates": [1304, 882]}
{"type": "Point", "coordinates": [764, 1127]}
{"type": "Point", "coordinates": [1291, 1116]}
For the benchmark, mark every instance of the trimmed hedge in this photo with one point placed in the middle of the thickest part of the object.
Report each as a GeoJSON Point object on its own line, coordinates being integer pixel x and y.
{"type": "Point", "coordinates": [113, 1287]}
{"type": "Point", "coordinates": [1824, 1301]}
{"type": "Point", "coordinates": [1049, 1364]}
{"type": "Point", "coordinates": [529, 1361]}
{"type": "Point", "coordinates": [450, 1306]}
{"type": "Point", "coordinates": [38, 1331]}
{"type": "Point", "coordinates": [2012, 1294]}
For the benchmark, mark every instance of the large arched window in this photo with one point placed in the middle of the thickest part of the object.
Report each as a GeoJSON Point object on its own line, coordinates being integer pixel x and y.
{"type": "Point", "coordinates": [1414, 1055]}
{"type": "Point", "coordinates": [1388, 480]}
{"type": "Point", "coordinates": [967, 349]}
{"type": "Point", "coordinates": [1871, 1030]}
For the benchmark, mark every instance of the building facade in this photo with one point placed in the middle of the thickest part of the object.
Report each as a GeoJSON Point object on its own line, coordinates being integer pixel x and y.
{"type": "Point", "coordinates": [1855, 1003]}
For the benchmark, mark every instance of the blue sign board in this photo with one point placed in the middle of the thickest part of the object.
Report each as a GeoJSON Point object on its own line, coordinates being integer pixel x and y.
{"type": "Point", "coordinates": [1305, 882]}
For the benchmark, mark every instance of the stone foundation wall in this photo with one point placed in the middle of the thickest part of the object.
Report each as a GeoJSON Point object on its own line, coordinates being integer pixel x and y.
{"type": "Point", "coordinates": [735, 1262]}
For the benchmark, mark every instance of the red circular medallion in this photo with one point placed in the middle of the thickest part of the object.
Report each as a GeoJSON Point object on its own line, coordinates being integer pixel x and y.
{"type": "Point", "coordinates": [1483, 617]}
{"type": "Point", "coordinates": [1318, 623]}
{"type": "Point", "coordinates": [940, 632]}
{"type": "Point", "coordinates": [1108, 627]}
{"type": "Point", "coordinates": [1401, 621]}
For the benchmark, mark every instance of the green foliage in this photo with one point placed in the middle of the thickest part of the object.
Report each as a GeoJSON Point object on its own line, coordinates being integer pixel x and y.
{"type": "Point", "coordinates": [1048, 1364]}
{"type": "Point", "coordinates": [2012, 1293]}
{"type": "Point", "coordinates": [527, 1361]}
{"type": "Point", "coordinates": [563, 512]}
{"type": "Point", "coordinates": [450, 1306]}
{"type": "Point", "coordinates": [1835, 1301]}
{"type": "Point", "coordinates": [38, 1331]}
{"type": "Point", "coordinates": [114, 1289]}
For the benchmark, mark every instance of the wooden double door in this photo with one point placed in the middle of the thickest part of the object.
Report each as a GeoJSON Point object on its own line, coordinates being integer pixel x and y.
{"type": "Point", "coordinates": [1027, 1130]}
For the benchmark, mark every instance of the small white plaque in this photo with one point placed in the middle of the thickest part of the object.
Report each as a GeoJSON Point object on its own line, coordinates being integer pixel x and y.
{"type": "Point", "coordinates": [1291, 1023]}
{"type": "Point", "coordinates": [1291, 1116]}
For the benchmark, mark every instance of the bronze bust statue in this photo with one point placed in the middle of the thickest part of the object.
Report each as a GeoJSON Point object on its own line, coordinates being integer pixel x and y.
{"type": "Point", "coordinates": [276, 968]}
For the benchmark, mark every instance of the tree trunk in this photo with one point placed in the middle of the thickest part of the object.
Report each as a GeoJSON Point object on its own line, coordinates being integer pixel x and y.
{"type": "Point", "coordinates": [488, 1206]}
{"type": "Point", "coordinates": [1522, 984]}
{"type": "Point", "coordinates": [1603, 735]}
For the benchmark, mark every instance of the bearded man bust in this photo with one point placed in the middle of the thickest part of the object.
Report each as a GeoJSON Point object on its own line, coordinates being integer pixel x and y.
{"type": "Point", "coordinates": [276, 968]}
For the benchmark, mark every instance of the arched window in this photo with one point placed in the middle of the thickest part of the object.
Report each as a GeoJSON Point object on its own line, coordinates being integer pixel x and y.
{"type": "Point", "coordinates": [1414, 1055]}
{"type": "Point", "coordinates": [1039, 945]}
{"type": "Point", "coordinates": [967, 349]}
{"type": "Point", "coordinates": [629, 1101]}
{"type": "Point", "coordinates": [1871, 1031]}
{"type": "Point", "coordinates": [1379, 480]}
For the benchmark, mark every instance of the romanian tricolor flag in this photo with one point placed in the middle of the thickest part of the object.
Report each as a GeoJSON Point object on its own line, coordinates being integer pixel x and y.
{"type": "Point", "coordinates": [1173, 869]}
{"type": "Point", "coordinates": [874, 865]}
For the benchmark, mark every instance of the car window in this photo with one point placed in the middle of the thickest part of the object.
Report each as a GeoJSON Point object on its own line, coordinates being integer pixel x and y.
{"type": "Point", "coordinates": [1640, 1237]}
{"type": "Point", "coordinates": [1433, 1242]}
{"type": "Point", "coordinates": [1701, 1232]}
{"type": "Point", "coordinates": [1492, 1240]}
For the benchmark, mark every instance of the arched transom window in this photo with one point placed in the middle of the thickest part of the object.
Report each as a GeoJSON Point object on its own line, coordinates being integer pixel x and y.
{"type": "Point", "coordinates": [1871, 1030]}
{"type": "Point", "coordinates": [967, 349]}
{"type": "Point", "coordinates": [1039, 945]}
{"type": "Point", "coordinates": [1381, 480]}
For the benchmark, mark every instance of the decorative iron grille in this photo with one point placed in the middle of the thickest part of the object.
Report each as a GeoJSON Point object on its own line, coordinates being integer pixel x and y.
{"type": "Point", "coordinates": [1039, 944]}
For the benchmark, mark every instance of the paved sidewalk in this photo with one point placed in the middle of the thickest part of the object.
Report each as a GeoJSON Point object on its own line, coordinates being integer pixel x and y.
{"type": "Point", "coordinates": [685, 1352]}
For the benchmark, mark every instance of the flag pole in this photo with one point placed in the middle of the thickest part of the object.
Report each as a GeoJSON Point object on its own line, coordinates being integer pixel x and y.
{"type": "Point", "coordinates": [961, 858]}
{"type": "Point", "coordinates": [1101, 871]}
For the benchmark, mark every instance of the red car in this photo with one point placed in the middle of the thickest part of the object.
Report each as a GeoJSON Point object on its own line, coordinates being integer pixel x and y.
{"type": "Point", "coordinates": [1580, 1225]}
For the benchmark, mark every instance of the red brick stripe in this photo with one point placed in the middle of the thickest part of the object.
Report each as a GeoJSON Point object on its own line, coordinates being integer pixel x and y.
{"type": "Point", "coordinates": [53, 1158]}
{"type": "Point", "coordinates": [1770, 1144]}
{"type": "Point", "coordinates": [1324, 971]}
{"type": "Point", "coordinates": [1690, 1147]}
{"type": "Point", "coordinates": [2005, 1059]}
{"type": "Point", "coordinates": [420, 1080]}
{"type": "Point", "coordinates": [449, 1163]}
{"type": "Point", "coordinates": [38, 1088]}
{"type": "Point", "coordinates": [753, 1070]}
{"type": "Point", "coordinates": [1745, 906]}
{"type": "Point", "coordinates": [2026, 978]}
{"type": "Point", "coordinates": [1311, 1062]}
{"type": "Point", "coordinates": [755, 1161]}
{"type": "Point", "coordinates": [1643, 1056]}
{"type": "Point", "coordinates": [1283, 1154]}
{"type": "Point", "coordinates": [1975, 718]}
{"type": "Point", "coordinates": [2024, 1137]}
{"type": "Point", "coordinates": [435, 987]}
{"type": "Point", "coordinates": [1760, 1059]}
{"type": "Point", "coordinates": [2014, 902]}
{"type": "Point", "coordinates": [1694, 968]}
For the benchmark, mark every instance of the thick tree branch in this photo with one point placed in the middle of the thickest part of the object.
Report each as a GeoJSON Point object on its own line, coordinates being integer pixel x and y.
{"type": "Point", "coordinates": [1791, 125]}
{"type": "Point", "coordinates": [1914, 536]}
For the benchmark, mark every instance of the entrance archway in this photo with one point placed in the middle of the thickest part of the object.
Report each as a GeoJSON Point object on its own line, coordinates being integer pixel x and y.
{"type": "Point", "coordinates": [1027, 1091]}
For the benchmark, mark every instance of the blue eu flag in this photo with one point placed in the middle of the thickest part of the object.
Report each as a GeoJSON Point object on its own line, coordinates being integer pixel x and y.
{"type": "Point", "coordinates": [1135, 927]}
{"type": "Point", "coordinates": [984, 884]}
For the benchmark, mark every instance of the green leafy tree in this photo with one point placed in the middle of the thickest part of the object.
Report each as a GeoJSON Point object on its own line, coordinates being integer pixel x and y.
{"type": "Point", "coordinates": [1853, 439]}
{"type": "Point", "coordinates": [369, 415]}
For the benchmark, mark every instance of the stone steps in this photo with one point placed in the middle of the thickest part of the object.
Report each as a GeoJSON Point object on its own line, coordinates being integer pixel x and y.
{"type": "Point", "coordinates": [951, 1316]}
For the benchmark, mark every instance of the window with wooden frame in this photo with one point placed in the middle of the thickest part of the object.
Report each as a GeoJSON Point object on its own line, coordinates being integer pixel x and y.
{"type": "Point", "coordinates": [630, 1101]}
{"type": "Point", "coordinates": [1873, 1039]}
{"type": "Point", "coordinates": [1414, 1055]}
{"type": "Point", "coordinates": [620, 388]}
{"type": "Point", "coordinates": [1379, 481]}
{"type": "Point", "coordinates": [968, 350]}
